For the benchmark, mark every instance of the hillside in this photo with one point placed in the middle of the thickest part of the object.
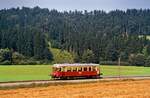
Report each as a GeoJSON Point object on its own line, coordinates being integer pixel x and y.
{"type": "Point", "coordinates": [95, 35]}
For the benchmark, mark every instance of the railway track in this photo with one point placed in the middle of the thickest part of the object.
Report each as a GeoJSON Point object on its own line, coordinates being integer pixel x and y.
{"type": "Point", "coordinates": [18, 84]}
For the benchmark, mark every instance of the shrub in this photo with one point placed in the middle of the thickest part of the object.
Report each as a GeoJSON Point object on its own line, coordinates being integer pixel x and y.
{"type": "Point", "coordinates": [27, 62]}
{"type": "Point", "coordinates": [147, 63]}
{"type": "Point", "coordinates": [88, 56]}
{"type": "Point", "coordinates": [76, 57]}
{"type": "Point", "coordinates": [137, 59]}
{"type": "Point", "coordinates": [48, 54]}
{"type": "Point", "coordinates": [6, 62]}
{"type": "Point", "coordinates": [5, 54]}
{"type": "Point", "coordinates": [17, 58]}
{"type": "Point", "coordinates": [62, 56]}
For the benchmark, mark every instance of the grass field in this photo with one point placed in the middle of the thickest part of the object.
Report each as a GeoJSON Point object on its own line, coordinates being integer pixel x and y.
{"type": "Point", "coordinates": [24, 72]}
{"type": "Point", "coordinates": [124, 70]}
{"type": "Point", "coordinates": [41, 72]}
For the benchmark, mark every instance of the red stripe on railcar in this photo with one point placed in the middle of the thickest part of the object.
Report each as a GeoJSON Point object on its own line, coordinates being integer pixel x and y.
{"type": "Point", "coordinates": [75, 74]}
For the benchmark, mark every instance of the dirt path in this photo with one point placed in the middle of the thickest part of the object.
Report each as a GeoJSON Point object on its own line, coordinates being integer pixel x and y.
{"type": "Point", "coordinates": [118, 89]}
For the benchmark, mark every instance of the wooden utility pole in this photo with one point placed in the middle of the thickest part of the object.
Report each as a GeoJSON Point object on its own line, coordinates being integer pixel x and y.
{"type": "Point", "coordinates": [119, 69]}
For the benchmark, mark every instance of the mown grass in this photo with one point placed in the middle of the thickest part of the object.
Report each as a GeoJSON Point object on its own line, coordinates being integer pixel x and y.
{"type": "Point", "coordinates": [124, 70]}
{"type": "Point", "coordinates": [24, 72]}
{"type": "Point", "coordinates": [41, 72]}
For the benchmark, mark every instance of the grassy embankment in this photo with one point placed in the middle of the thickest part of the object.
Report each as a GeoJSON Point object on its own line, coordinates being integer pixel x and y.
{"type": "Point", "coordinates": [41, 72]}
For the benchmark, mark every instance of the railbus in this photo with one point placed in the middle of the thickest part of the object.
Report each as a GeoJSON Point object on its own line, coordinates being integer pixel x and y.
{"type": "Point", "coordinates": [73, 71]}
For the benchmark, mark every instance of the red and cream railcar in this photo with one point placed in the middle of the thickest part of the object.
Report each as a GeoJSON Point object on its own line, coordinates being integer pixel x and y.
{"type": "Point", "coordinates": [67, 71]}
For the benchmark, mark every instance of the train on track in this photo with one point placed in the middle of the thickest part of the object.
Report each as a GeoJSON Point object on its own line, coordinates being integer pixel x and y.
{"type": "Point", "coordinates": [74, 71]}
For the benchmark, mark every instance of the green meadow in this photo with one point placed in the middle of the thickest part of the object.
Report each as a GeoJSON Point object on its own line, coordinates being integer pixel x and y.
{"type": "Point", "coordinates": [41, 72]}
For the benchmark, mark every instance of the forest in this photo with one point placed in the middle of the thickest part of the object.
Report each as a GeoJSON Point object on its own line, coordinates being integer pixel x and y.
{"type": "Point", "coordinates": [28, 36]}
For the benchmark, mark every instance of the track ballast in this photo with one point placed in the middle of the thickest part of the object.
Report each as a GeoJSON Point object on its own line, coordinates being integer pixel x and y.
{"type": "Point", "coordinates": [13, 84]}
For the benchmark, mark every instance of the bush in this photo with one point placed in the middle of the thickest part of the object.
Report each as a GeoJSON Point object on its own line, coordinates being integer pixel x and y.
{"type": "Point", "coordinates": [62, 56]}
{"type": "Point", "coordinates": [137, 59]}
{"type": "Point", "coordinates": [48, 54]}
{"type": "Point", "coordinates": [27, 62]}
{"type": "Point", "coordinates": [8, 57]}
{"type": "Point", "coordinates": [5, 62]}
{"type": "Point", "coordinates": [88, 56]}
{"type": "Point", "coordinates": [5, 54]}
{"type": "Point", "coordinates": [17, 58]}
{"type": "Point", "coordinates": [76, 57]}
{"type": "Point", "coordinates": [147, 63]}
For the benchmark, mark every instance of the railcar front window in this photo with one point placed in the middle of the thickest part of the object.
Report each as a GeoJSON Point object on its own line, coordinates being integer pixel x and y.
{"type": "Point", "coordinates": [54, 69]}
{"type": "Point", "coordinates": [58, 69]}
{"type": "Point", "coordinates": [94, 68]}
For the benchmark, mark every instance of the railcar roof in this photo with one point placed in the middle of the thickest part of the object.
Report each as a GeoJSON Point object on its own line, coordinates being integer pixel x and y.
{"type": "Point", "coordinates": [76, 64]}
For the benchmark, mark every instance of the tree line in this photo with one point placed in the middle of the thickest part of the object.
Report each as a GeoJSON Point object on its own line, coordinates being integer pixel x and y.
{"type": "Point", "coordinates": [91, 36]}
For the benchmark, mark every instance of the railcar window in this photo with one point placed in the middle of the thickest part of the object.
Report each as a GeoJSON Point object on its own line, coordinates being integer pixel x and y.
{"type": "Point", "coordinates": [65, 69]}
{"type": "Point", "coordinates": [62, 69]}
{"type": "Point", "coordinates": [89, 68]}
{"type": "Point", "coordinates": [85, 68]}
{"type": "Point", "coordinates": [79, 68]}
{"type": "Point", "coordinates": [74, 69]}
{"type": "Point", "coordinates": [69, 69]}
